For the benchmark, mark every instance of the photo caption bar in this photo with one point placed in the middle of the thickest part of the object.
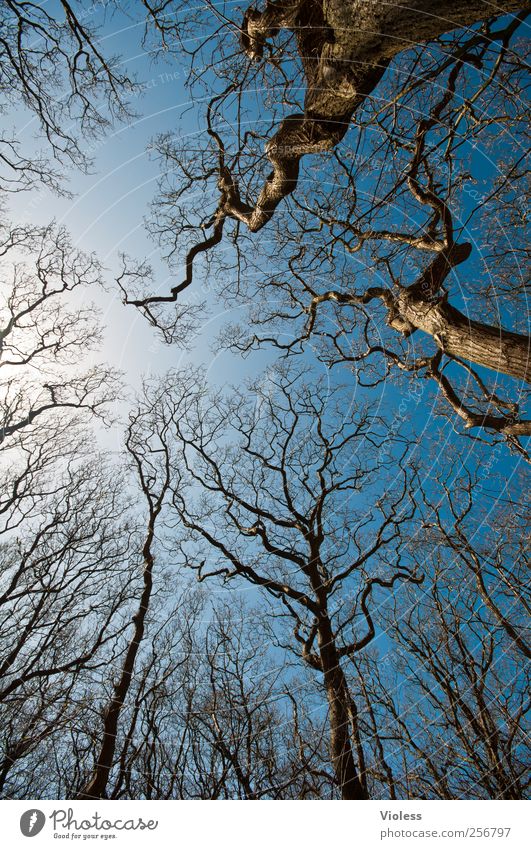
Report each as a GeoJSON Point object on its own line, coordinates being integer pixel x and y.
{"type": "Point", "coordinates": [235, 824]}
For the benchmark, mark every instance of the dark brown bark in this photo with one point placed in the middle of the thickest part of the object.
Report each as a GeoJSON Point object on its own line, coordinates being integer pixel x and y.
{"type": "Point", "coordinates": [340, 716]}
{"type": "Point", "coordinates": [97, 786]}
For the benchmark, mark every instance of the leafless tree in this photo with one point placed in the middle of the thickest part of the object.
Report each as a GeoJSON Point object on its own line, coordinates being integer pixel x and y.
{"type": "Point", "coordinates": [250, 737]}
{"type": "Point", "coordinates": [150, 454]}
{"type": "Point", "coordinates": [271, 487]}
{"type": "Point", "coordinates": [446, 707]}
{"type": "Point", "coordinates": [195, 719]}
{"type": "Point", "coordinates": [44, 332]}
{"type": "Point", "coordinates": [63, 528]}
{"type": "Point", "coordinates": [212, 719]}
{"type": "Point", "coordinates": [322, 520]}
{"type": "Point", "coordinates": [379, 653]}
{"type": "Point", "coordinates": [489, 541]}
{"type": "Point", "coordinates": [453, 723]}
{"type": "Point", "coordinates": [395, 190]}
{"type": "Point", "coordinates": [79, 594]}
{"type": "Point", "coordinates": [52, 65]}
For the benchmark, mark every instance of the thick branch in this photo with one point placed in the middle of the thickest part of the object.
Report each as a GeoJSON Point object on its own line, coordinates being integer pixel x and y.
{"type": "Point", "coordinates": [364, 36]}
{"type": "Point", "coordinates": [459, 336]}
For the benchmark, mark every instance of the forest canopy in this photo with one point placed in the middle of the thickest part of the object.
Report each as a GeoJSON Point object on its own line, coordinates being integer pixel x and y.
{"type": "Point", "coordinates": [300, 574]}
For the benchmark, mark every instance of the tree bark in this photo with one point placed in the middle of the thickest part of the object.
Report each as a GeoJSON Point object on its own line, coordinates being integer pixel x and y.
{"type": "Point", "coordinates": [459, 336]}
{"type": "Point", "coordinates": [345, 48]}
{"type": "Point", "coordinates": [97, 786]}
{"type": "Point", "coordinates": [349, 781]}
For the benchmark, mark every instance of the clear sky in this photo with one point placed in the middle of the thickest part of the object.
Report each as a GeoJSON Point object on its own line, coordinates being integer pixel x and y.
{"type": "Point", "coordinates": [107, 212]}
{"type": "Point", "coordinates": [107, 216]}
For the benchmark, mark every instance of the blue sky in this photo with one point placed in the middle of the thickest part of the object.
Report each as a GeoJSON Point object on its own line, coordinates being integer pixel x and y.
{"type": "Point", "coordinates": [109, 206]}
{"type": "Point", "coordinates": [106, 214]}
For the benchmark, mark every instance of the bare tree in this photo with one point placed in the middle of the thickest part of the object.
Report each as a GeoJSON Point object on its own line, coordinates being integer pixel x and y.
{"type": "Point", "coordinates": [250, 737]}
{"type": "Point", "coordinates": [52, 64]}
{"type": "Point", "coordinates": [315, 510]}
{"type": "Point", "coordinates": [410, 224]}
{"type": "Point", "coordinates": [380, 654]}
{"type": "Point", "coordinates": [220, 738]}
{"type": "Point", "coordinates": [79, 596]}
{"type": "Point", "coordinates": [491, 543]}
{"type": "Point", "coordinates": [63, 517]}
{"type": "Point", "coordinates": [280, 476]}
{"type": "Point", "coordinates": [459, 728]}
{"type": "Point", "coordinates": [45, 332]}
{"type": "Point", "coordinates": [208, 715]}
{"type": "Point", "coordinates": [446, 707]}
{"type": "Point", "coordinates": [150, 455]}
{"type": "Point", "coordinates": [343, 50]}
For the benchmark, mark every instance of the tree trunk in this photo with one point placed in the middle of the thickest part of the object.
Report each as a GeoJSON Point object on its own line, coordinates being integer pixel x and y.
{"type": "Point", "coordinates": [97, 786]}
{"type": "Point", "coordinates": [349, 782]}
{"type": "Point", "coordinates": [367, 34]}
{"type": "Point", "coordinates": [459, 336]}
{"type": "Point", "coordinates": [345, 48]}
